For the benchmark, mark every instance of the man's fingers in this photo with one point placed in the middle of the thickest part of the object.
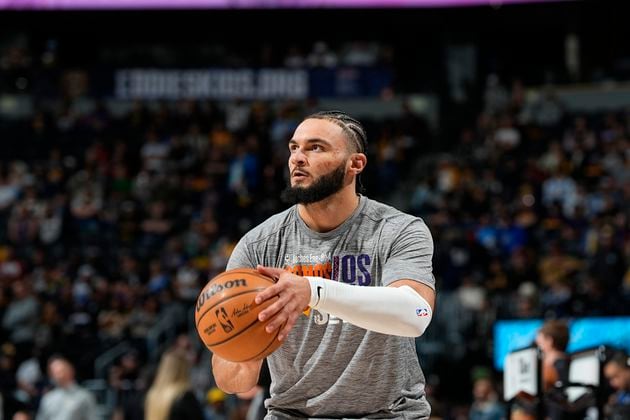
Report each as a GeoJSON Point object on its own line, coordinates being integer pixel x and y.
{"type": "Point", "coordinates": [271, 310]}
{"type": "Point", "coordinates": [268, 293]}
{"type": "Point", "coordinates": [282, 318]}
{"type": "Point", "coordinates": [274, 324]}
{"type": "Point", "coordinates": [272, 272]}
{"type": "Point", "coordinates": [283, 313]}
{"type": "Point", "coordinates": [288, 326]}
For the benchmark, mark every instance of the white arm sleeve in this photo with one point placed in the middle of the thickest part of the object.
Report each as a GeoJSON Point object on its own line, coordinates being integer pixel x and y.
{"type": "Point", "coordinates": [388, 310]}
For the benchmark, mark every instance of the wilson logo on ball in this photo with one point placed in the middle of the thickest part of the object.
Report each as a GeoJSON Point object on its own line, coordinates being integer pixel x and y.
{"type": "Point", "coordinates": [216, 288]}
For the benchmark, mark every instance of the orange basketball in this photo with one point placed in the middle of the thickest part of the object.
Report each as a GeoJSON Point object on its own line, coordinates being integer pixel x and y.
{"type": "Point", "coordinates": [226, 316]}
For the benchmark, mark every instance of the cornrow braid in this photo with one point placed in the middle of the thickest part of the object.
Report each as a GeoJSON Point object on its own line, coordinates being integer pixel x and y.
{"type": "Point", "coordinates": [351, 127]}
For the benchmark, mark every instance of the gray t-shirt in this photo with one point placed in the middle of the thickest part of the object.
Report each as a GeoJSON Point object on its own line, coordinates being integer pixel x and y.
{"type": "Point", "coordinates": [71, 403]}
{"type": "Point", "coordinates": [328, 368]}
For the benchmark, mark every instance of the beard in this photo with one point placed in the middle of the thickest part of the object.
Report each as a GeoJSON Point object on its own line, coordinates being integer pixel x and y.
{"type": "Point", "coordinates": [323, 187]}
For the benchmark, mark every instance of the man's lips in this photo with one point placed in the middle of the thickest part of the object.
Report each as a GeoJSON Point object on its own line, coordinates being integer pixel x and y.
{"type": "Point", "coordinates": [299, 174]}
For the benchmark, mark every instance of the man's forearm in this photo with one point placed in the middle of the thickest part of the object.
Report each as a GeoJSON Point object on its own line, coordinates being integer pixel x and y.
{"type": "Point", "coordinates": [398, 311]}
{"type": "Point", "coordinates": [233, 377]}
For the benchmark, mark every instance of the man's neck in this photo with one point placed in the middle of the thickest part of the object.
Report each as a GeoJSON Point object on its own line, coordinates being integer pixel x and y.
{"type": "Point", "coordinates": [331, 212]}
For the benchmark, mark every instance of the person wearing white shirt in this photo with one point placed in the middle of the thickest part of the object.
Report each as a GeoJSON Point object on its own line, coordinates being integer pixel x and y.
{"type": "Point", "coordinates": [67, 401]}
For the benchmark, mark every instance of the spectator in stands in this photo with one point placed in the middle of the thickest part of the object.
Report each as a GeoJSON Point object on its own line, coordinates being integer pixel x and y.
{"type": "Point", "coordinates": [171, 396]}
{"type": "Point", "coordinates": [130, 385]}
{"type": "Point", "coordinates": [486, 405]}
{"type": "Point", "coordinates": [322, 56]}
{"type": "Point", "coordinates": [67, 401]}
{"type": "Point", "coordinates": [21, 317]}
{"type": "Point", "coordinates": [617, 372]}
{"type": "Point", "coordinates": [552, 340]}
{"type": "Point", "coordinates": [29, 380]}
{"type": "Point", "coordinates": [10, 404]}
{"type": "Point", "coordinates": [216, 408]}
{"type": "Point", "coordinates": [495, 95]}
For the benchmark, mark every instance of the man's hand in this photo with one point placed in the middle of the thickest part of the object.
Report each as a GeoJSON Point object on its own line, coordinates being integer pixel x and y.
{"type": "Point", "coordinates": [294, 294]}
{"type": "Point", "coordinates": [234, 377]}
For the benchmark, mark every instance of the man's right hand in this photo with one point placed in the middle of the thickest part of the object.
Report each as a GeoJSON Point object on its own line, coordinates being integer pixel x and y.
{"type": "Point", "coordinates": [294, 294]}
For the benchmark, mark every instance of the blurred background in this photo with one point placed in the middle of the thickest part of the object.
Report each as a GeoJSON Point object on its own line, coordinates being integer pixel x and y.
{"type": "Point", "coordinates": [139, 142]}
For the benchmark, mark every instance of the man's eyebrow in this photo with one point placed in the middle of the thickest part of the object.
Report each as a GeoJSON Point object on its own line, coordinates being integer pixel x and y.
{"type": "Point", "coordinates": [313, 140]}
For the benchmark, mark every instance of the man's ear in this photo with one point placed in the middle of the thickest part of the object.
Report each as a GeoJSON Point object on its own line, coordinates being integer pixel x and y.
{"type": "Point", "coordinates": [358, 162]}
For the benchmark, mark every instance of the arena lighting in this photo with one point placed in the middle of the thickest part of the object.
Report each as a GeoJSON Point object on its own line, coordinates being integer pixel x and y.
{"type": "Point", "coordinates": [246, 4]}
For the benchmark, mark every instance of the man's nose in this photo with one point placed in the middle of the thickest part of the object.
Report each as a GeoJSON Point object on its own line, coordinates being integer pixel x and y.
{"type": "Point", "coordinates": [297, 158]}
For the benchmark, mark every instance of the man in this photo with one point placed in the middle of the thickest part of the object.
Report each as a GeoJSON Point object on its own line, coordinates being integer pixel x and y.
{"type": "Point", "coordinates": [486, 405]}
{"type": "Point", "coordinates": [617, 372]}
{"type": "Point", "coordinates": [365, 271]}
{"type": "Point", "coordinates": [67, 401]}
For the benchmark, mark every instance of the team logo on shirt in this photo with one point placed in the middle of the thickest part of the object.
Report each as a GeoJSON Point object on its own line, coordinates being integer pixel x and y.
{"type": "Point", "coordinates": [351, 269]}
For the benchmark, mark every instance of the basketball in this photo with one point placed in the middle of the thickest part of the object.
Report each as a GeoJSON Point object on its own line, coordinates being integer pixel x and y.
{"type": "Point", "coordinates": [226, 316]}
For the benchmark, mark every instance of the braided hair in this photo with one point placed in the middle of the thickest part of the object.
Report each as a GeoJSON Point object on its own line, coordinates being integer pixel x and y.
{"type": "Point", "coordinates": [350, 126]}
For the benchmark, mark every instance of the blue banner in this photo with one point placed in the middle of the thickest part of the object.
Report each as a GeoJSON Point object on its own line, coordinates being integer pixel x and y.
{"type": "Point", "coordinates": [584, 333]}
{"type": "Point", "coordinates": [250, 84]}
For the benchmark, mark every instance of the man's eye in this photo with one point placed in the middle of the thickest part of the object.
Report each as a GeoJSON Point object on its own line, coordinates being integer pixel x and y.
{"type": "Point", "coordinates": [316, 147]}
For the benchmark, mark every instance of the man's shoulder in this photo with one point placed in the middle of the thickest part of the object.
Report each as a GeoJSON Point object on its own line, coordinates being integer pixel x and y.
{"type": "Point", "coordinates": [271, 225]}
{"type": "Point", "coordinates": [51, 397]}
{"type": "Point", "coordinates": [49, 394]}
{"type": "Point", "coordinates": [85, 395]}
{"type": "Point", "coordinates": [84, 391]}
{"type": "Point", "coordinates": [383, 212]}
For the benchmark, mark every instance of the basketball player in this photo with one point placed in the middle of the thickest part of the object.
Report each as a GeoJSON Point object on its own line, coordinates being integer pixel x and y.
{"type": "Point", "coordinates": [363, 268]}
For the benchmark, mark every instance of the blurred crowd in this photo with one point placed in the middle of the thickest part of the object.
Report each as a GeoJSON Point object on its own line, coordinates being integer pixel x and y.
{"type": "Point", "coordinates": [530, 216]}
{"type": "Point", "coordinates": [110, 223]}
{"type": "Point", "coordinates": [530, 210]}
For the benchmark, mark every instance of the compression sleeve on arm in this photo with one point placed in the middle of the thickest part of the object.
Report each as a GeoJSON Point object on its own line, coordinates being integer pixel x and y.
{"type": "Point", "coordinates": [388, 310]}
